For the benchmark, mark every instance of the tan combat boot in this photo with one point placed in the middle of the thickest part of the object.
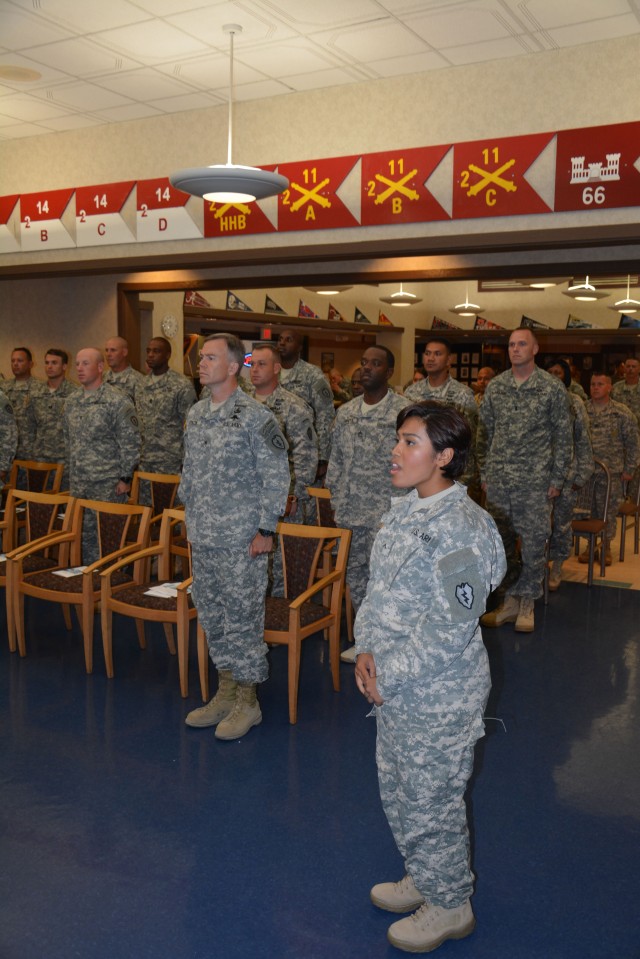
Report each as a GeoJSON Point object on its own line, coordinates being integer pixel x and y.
{"type": "Point", "coordinates": [221, 704]}
{"type": "Point", "coordinates": [507, 612]}
{"type": "Point", "coordinates": [525, 622]}
{"type": "Point", "coordinates": [397, 896]}
{"type": "Point", "coordinates": [430, 926]}
{"type": "Point", "coordinates": [555, 575]}
{"type": "Point", "coordinates": [245, 714]}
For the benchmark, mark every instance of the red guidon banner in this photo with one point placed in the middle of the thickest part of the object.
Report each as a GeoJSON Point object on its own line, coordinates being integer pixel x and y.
{"type": "Point", "coordinates": [393, 186]}
{"type": "Point", "coordinates": [490, 177]}
{"type": "Point", "coordinates": [597, 167]}
{"type": "Point", "coordinates": [311, 201]}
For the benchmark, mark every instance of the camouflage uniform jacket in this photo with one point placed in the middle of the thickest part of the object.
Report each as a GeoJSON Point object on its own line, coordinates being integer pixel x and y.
{"type": "Point", "coordinates": [48, 406]}
{"type": "Point", "coordinates": [628, 396]}
{"type": "Point", "coordinates": [358, 473]}
{"type": "Point", "coordinates": [614, 436]}
{"type": "Point", "coordinates": [432, 569]}
{"type": "Point", "coordinates": [8, 434]}
{"type": "Point", "coordinates": [582, 460]}
{"type": "Point", "coordinates": [162, 403]}
{"type": "Point", "coordinates": [102, 437]}
{"type": "Point", "coordinates": [295, 419]}
{"type": "Point", "coordinates": [20, 394]}
{"type": "Point", "coordinates": [525, 434]}
{"type": "Point", "coordinates": [308, 382]}
{"type": "Point", "coordinates": [576, 390]}
{"type": "Point", "coordinates": [127, 380]}
{"type": "Point", "coordinates": [235, 477]}
{"type": "Point", "coordinates": [450, 393]}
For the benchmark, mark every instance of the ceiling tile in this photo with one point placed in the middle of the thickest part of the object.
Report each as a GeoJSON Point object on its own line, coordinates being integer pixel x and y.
{"type": "Point", "coordinates": [458, 27]}
{"type": "Point", "coordinates": [16, 60]}
{"type": "Point", "coordinates": [607, 29]}
{"type": "Point", "coordinates": [20, 130]}
{"type": "Point", "coordinates": [418, 63]}
{"type": "Point", "coordinates": [210, 72]}
{"type": "Point", "coordinates": [85, 97]}
{"type": "Point", "coordinates": [18, 26]}
{"type": "Point", "coordinates": [309, 15]}
{"type": "Point", "coordinates": [482, 52]}
{"type": "Point", "coordinates": [88, 59]}
{"type": "Point", "coordinates": [135, 111]}
{"type": "Point", "coordinates": [150, 42]}
{"type": "Point", "coordinates": [27, 108]}
{"type": "Point", "coordinates": [207, 26]}
{"type": "Point", "coordinates": [192, 101]}
{"type": "Point", "coordinates": [372, 41]}
{"type": "Point", "coordinates": [258, 91]}
{"type": "Point", "coordinates": [86, 16]}
{"type": "Point", "coordinates": [550, 13]}
{"type": "Point", "coordinates": [72, 121]}
{"type": "Point", "coordinates": [323, 78]}
{"type": "Point", "coordinates": [144, 84]}
{"type": "Point", "coordinates": [288, 58]}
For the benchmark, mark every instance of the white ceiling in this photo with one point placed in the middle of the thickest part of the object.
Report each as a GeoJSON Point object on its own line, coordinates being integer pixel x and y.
{"type": "Point", "coordinates": [107, 61]}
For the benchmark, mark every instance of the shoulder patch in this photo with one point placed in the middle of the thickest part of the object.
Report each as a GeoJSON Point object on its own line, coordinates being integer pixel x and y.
{"type": "Point", "coordinates": [464, 595]}
{"type": "Point", "coordinates": [273, 437]}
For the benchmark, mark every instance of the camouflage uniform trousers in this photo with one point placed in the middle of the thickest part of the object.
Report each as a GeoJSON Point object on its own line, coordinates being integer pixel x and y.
{"type": "Point", "coordinates": [424, 766]}
{"type": "Point", "coordinates": [229, 589]}
{"type": "Point", "coordinates": [102, 491]}
{"type": "Point", "coordinates": [616, 498]}
{"type": "Point", "coordinates": [524, 515]}
{"type": "Point", "coordinates": [562, 534]}
{"type": "Point", "coordinates": [362, 538]}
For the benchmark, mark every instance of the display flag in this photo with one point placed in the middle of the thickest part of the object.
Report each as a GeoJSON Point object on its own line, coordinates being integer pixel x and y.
{"type": "Point", "coordinates": [359, 317]}
{"type": "Point", "coordinates": [489, 176]}
{"type": "Point", "coordinates": [193, 298]}
{"type": "Point", "coordinates": [527, 323]}
{"type": "Point", "coordinates": [47, 220]}
{"type": "Point", "coordinates": [9, 224]}
{"type": "Point", "coordinates": [393, 186]}
{"type": "Point", "coordinates": [629, 322]}
{"type": "Point", "coordinates": [575, 323]}
{"type": "Point", "coordinates": [335, 314]}
{"type": "Point", "coordinates": [106, 214]}
{"type": "Point", "coordinates": [598, 167]}
{"type": "Point", "coordinates": [164, 213]}
{"type": "Point", "coordinates": [383, 319]}
{"type": "Point", "coordinates": [235, 303]}
{"type": "Point", "coordinates": [304, 310]}
{"type": "Point", "coordinates": [270, 306]}
{"type": "Point", "coordinates": [311, 201]}
{"type": "Point", "coordinates": [439, 324]}
{"type": "Point", "coordinates": [235, 219]}
{"type": "Point", "coordinates": [482, 324]}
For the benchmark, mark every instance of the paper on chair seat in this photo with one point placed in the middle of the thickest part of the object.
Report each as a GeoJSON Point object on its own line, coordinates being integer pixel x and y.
{"type": "Point", "coordinates": [72, 571]}
{"type": "Point", "coordinates": [165, 590]}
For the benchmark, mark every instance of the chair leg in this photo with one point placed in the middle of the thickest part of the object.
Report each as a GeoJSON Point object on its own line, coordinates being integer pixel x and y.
{"type": "Point", "coordinates": [592, 550]}
{"type": "Point", "coordinates": [66, 613]}
{"type": "Point", "coordinates": [19, 621]}
{"type": "Point", "coordinates": [623, 533]}
{"type": "Point", "coordinates": [182, 630]}
{"type": "Point", "coordinates": [142, 642]}
{"type": "Point", "coordinates": [294, 678]}
{"type": "Point", "coordinates": [106, 616]}
{"type": "Point", "coordinates": [11, 623]}
{"type": "Point", "coordinates": [168, 632]}
{"type": "Point", "coordinates": [334, 654]}
{"type": "Point", "coordinates": [88, 613]}
{"type": "Point", "coordinates": [203, 663]}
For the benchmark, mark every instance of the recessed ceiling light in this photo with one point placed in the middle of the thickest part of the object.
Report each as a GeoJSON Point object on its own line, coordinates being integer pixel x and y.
{"type": "Point", "coordinates": [19, 74]}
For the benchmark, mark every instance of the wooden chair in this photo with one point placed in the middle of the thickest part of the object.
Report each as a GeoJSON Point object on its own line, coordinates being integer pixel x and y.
{"type": "Point", "coordinates": [135, 601]}
{"type": "Point", "coordinates": [82, 588]}
{"type": "Point", "coordinates": [290, 619]}
{"type": "Point", "coordinates": [628, 511]}
{"type": "Point", "coordinates": [324, 514]}
{"type": "Point", "coordinates": [591, 522]}
{"type": "Point", "coordinates": [158, 488]}
{"type": "Point", "coordinates": [39, 476]}
{"type": "Point", "coordinates": [40, 516]}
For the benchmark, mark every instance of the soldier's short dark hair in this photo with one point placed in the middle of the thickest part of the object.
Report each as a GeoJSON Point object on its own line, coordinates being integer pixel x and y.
{"type": "Point", "coordinates": [162, 339]}
{"type": "Point", "coordinates": [23, 349]}
{"type": "Point", "coordinates": [446, 428]}
{"type": "Point", "coordinates": [564, 366]}
{"type": "Point", "coordinates": [439, 339]}
{"type": "Point", "coordinates": [604, 373]}
{"type": "Point", "coordinates": [391, 360]}
{"type": "Point", "coordinates": [268, 345]}
{"type": "Point", "coordinates": [64, 356]}
{"type": "Point", "coordinates": [235, 347]}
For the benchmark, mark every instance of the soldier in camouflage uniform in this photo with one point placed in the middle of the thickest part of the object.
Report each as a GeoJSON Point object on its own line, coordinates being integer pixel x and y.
{"type": "Point", "coordinates": [295, 420]}
{"type": "Point", "coordinates": [580, 470]}
{"type": "Point", "coordinates": [309, 383]}
{"type": "Point", "coordinates": [439, 385]}
{"type": "Point", "coordinates": [163, 399]}
{"type": "Point", "coordinates": [614, 437]}
{"type": "Point", "coordinates": [102, 440]}
{"type": "Point", "coordinates": [120, 373]}
{"type": "Point", "coordinates": [235, 483]}
{"type": "Point", "coordinates": [48, 408]}
{"type": "Point", "coordinates": [20, 391]}
{"type": "Point", "coordinates": [422, 663]}
{"type": "Point", "coordinates": [627, 391]}
{"type": "Point", "coordinates": [525, 442]}
{"type": "Point", "coordinates": [364, 433]}
{"type": "Point", "coordinates": [8, 436]}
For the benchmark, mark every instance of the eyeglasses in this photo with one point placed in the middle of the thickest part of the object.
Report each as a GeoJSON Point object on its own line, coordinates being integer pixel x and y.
{"type": "Point", "coordinates": [206, 356]}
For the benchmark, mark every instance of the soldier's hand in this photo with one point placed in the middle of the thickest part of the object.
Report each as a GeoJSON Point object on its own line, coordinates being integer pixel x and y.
{"type": "Point", "coordinates": [552, 492]}
{"type": "Point", "coordinates": [260, 544]}
{"type": "Point", "coordinates": [122, 487]}
{"type": "Point", "coordinates": [292, 507]}
{"type": "Point", "coordinates": [626, 477]}
{"type": "Point", "coordinates": [366, 678]}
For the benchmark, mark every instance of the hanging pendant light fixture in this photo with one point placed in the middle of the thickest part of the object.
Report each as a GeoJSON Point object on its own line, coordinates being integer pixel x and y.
{"type": "Point", "coordinates": [228, 182]}
{"type": "Point", "coordinates": [584, 292]}
{"type": "Point", "coordinates": [401, 298]}
{"type": "Point", "coordinates": [466, 308]}
{"type": "Point", "coordinates": [627, 305]}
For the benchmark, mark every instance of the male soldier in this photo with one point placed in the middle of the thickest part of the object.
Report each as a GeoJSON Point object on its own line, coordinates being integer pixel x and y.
{"type": "Point", "coordinates": [102, 439]}
{"type": "Point", "coordinates": [485, 375]}
{"type": "Point", "coordinates": [308, 382]}
{"type": "Point", "coordinates": [580, 470]}
{"type": "Point", "coordinates": [525, 439]}
{"type": "Point", "coordinates": [235, 482]}
{"type": "Point", "coordinates": [439, 385]}
{"type": "Point", "coordinates": [20, 392]}
{"type": "Point", "coordinates": [295, 420]}
{"type": "Point", "coordinates": [163, 399]}
{"type": "Point", "coordinates": [614, 437]}
{"type": "Point", "coordinates": [48, 407]}
{"type": "Point", "coordinates": [120, 373]}
{"type": "Point", "coordinates": [627, 391]}
{"type": "Point", "coordinates": [8, 436]}
{"type": "Point", "coordinates": [364, 434]}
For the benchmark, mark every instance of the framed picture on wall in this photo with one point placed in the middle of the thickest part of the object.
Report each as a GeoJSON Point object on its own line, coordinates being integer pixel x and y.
{"type": "Point", "coordinates": [327, 360]}
{"type": "Point", "coordinates": [474, 371]}
{"type": "Point", "coordinates": [464, 370]}
{"type": "Point", "coordinates": [464, 359]}
{"type": "Point", "coordinates": [475, 358]}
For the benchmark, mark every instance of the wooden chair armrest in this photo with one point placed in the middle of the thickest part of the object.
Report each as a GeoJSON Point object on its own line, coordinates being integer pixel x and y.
{"type": "Point", "coordinates": [124, 551]}
{"type": "Point", "coordinates": [128, 559]}
{"type": "Point", "coordinates": [185, 584]}
{"type": "Point", "coordinates": [317, 587]}
{"type": "Point", "coordinates": [51, 539]}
